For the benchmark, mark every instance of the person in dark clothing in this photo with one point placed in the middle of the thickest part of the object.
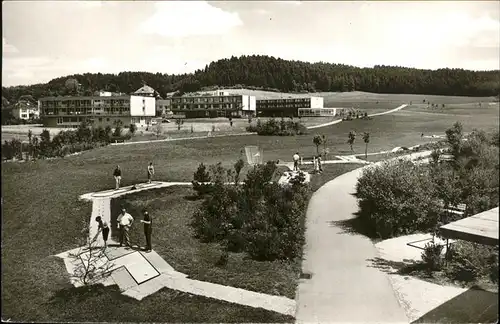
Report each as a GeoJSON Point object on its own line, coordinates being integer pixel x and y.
{"type": "Point", "coordinates": [104, 228]}
{"type": "Point", "coordinates": [118, 176]}
{"type": "Point", "coordinates": [148, 230]}
{"type": "Point", "coordinates": [320, 166]}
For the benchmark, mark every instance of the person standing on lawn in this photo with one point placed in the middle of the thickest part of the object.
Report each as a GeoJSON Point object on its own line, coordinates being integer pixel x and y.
{"type": "Point", "coordinates": [125, 221]}
{"type": "Point", "coordinates": [151, 171]}
{"type": "Point", "coordinates": [148, 230]}
{"type": "Point", "coordinates": [118, 176]}
{"type": "Point", "coordinates": [320, 167]}
{"type": "Point", "coordinates": [296, 158]}
{"type": "Point", "coordinates": [104, 228]}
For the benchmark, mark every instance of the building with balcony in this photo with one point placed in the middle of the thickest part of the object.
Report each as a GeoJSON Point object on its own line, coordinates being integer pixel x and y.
{"type": "Point", "coordinates": [97, 110]}
{"type": "Point", "coordinates": [286, 107]}
{"type": "Point", "coordinates": [26, 110]}
{"type": "Point", "coordinates": [210, 106]}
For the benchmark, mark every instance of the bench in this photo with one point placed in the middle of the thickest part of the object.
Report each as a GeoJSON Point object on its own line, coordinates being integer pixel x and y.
{"type": "Point", "coordinates": [454, 209]}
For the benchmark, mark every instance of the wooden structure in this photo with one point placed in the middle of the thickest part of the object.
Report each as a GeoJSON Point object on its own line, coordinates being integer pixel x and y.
{"type": "Point", "coordinates": [481, 228]}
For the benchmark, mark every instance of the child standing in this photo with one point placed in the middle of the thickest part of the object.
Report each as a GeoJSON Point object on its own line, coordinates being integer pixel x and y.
{"type": "Point", "coordinates": [118, 176]}
{"type": "Point", "coordinates": [104, 228]}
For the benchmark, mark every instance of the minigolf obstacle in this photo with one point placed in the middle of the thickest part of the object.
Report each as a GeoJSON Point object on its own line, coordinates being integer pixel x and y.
{"type": "Point", "coordinates": [254, 155]}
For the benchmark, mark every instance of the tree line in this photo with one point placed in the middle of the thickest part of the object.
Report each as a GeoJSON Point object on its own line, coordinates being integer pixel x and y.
{"type": "Point", "coordinates": [275, 74]}
{"type": "Point", "coordinates": [65, 142]}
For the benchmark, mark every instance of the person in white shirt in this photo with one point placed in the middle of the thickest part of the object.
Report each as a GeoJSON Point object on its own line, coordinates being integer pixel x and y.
{"type": "Point", "coordinates": [296, 158]}
{"type": "Point", "coordinates": [125, 221]}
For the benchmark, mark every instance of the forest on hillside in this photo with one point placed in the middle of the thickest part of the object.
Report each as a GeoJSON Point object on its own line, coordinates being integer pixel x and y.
{"type": "Point", "coordinates": [274, 74]}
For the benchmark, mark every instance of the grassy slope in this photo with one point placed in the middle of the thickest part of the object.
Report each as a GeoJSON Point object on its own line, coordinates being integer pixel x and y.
{"type": "Point", "coordinates": [363, 99]}
{"type": "Point", "coordinates": [41, 211]}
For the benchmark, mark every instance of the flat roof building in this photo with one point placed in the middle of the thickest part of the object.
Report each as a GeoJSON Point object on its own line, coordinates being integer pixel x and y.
{"type": "Point", "coordinates": [286, 107]}
{"type": "Point", "coordinates": [210, 106]}
{"type": "Point", "coordinates": [97, 110]}
{"type": "Point", "coordinates": [317, 112]}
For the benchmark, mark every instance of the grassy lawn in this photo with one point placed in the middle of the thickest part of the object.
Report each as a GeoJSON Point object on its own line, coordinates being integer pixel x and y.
{"type": "Point", "coordinates": [172, 209]}
{"type": "Point", "coordinates": [41, 216]}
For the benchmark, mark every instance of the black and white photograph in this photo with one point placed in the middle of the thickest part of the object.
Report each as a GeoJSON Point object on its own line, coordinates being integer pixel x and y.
{"type": "Point", "coordinates": [250, 161]}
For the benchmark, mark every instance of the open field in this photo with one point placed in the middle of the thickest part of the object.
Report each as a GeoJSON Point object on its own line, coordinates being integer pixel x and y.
{"type": "Point", "coordinates": [364, 99]}
{"type": "Point", "coordinates": [42, 215]}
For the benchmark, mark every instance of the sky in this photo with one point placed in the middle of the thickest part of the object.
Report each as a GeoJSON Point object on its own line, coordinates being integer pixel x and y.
{"type": "Point", "coordinates": [43, 40]}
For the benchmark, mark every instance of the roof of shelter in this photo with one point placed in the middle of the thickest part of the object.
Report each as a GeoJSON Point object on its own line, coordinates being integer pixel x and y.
{"type": "Point", "coordinates": [481, 228]}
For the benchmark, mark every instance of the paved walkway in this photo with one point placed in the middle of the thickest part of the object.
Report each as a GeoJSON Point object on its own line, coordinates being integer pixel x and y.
{"type": "Point", "coordinates": [139, 274]}
{"type": "Point", "coordinates": [343, 288]}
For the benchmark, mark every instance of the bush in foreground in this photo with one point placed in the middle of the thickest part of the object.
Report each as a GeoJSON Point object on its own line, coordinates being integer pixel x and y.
{"type": "Point", "coordinates": [470, 262]}
{"type": "Point", "coordinates": [259, 217]}
{"type": "Point", "coordinates": [397, 198]}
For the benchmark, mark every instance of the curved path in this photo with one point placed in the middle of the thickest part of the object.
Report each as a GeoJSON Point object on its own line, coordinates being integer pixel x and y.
{"type": "Point", "coordinates": [343, 288]}
{"type": "Point", "coordinates": [372, 115]}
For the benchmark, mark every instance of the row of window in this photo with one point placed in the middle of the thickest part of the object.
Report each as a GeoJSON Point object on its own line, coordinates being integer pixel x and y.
{"type": "Point", "coordinates": [207, 99]}
{"type": "Point", "coordinates": [205, 106]}
{"type": "Point", "coordinates": [61, 120]}
{"type": "Point", "coordinates": [317, 112]}
{"type": "Point", "coordinates": [265, 105]}
{"type": "Point", "coordinates": [79, 103]}
{"type": "Point", "coordinates": [288, 100]}
{"type": "Point", "coordinates": [85, 111]}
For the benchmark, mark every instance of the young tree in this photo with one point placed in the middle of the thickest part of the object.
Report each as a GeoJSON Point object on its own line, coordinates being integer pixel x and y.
{"type": "Point", "coordinates": [107, 134]}
{"type": "Point", "coordinates": [179, 122]}
{"type": "Point", "coordinates": [351, 139]}
{"type": "Point", "coordinates": [45, 145]}
{"type": "Point", "coordinates": [91, 263]}
{"type": "Point", "coordinates": [325, 150]}
{"type": "Point", "coordinates": [132, 128]}
{"type": "Point", "coordinates": [118, 128]}
{"type": "Point", "coordinates": [366, 139]}
{"type": "Point", "coordinates": [454, 135]}
{"type": "Point", "coordinates": [30, 143]}
{"type": "Point", "coordinates": [158, 130]}
{"type": "Point", "coordinates": [318, 140]}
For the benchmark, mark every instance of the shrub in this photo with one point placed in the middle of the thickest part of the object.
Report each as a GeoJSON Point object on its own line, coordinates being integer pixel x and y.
{"type": "Point", "coordinates": [275, 128]}
{"type": "Point", "coordinates": [212, 221]}
{"type": "Point", "coordinates": [7, 151]}
{"type": "Point", "coordinates": [201, 181]}
{"type": "Point", "coordinates": [470, 261]}
{"type": "Point", "coordinates": [397, 198]}
{"type": "Point", "coordinates": [432, 256]}
{"type": "Point", "coordinates": [261, 218]}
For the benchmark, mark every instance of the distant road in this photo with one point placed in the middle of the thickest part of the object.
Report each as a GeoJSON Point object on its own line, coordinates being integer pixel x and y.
{"type": "Point", "coordinates": [340, 120]}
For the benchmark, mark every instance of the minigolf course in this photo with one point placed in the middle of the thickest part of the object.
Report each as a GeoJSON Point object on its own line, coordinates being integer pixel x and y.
{"type": "Point", "coordinates": [139, 274]}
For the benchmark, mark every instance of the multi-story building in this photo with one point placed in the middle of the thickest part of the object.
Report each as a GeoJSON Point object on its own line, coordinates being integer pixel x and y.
{"type": "Point", "coordinates": [163, 107]}
{"type": "Point", "coordinates": [286, 107]}
{"type": "Point", "coordinates": [26, 110]}
{"type": "Point", "coordinates": [214, 106]}
{"type": "Point", "coordinates": [97, 110]}
{"type": "Point", "coordinates": [317, 112]}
